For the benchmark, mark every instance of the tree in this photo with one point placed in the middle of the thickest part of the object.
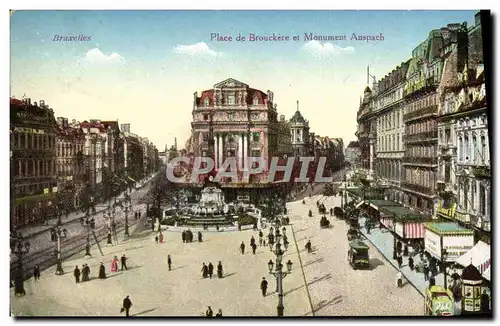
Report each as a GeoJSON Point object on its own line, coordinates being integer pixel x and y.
{"type": "Point", "coordinates": [329, 190]}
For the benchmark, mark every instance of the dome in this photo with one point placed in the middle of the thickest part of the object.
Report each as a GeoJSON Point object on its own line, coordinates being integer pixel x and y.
{"type": "Point", "coordinates": [297, 118]}
{"type": "Point", "coordinates": [368, 90]}
{"type": "Point", "coordinates": [471, 273]}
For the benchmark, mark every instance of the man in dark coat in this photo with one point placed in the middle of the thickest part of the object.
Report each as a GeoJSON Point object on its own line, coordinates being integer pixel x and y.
{"type": "Point", "coordinates": [210, 270]}
{"type": "Point", "coordinates": [252, 241]}
{"type": "Point", "coordinates": [169, 262]}
{"type": "Point", "coordinates": [184, 236]}
{"type": "Point", "coordinates": [263, 286]}
{"type": "Point", "coordinates": [485, 303]}
{"type": "Point", "coordinates": [87, 272]}
{"type": "Point", "coordinates": [261, 236]}
{"type": "Point", "coordinates": [36, 272]}
{"type": "Point", "coordinates": [254, 248]}
{"type": "Point", "coordinates": [242, 247]}
{"type": "Point", "coordinates": [411, 263]}
{"type": "Point", "coordinates": [309, 246]}
{"type": "Point", "coordinates": [77, 273]}
{"type": "Point", "coordinates": [219, 270]}
{"type": "Point", "coordinates": [204, 271]}
{"type": "Point", "coordinates": [102, 272]}
{"type": "Point", "coordinates": [127, 304]}
{"type": "Point", "coordinates": [124, 262]}
{"type": "Point", "coordinates": [200, 237]}
{"type": "Point", "coordinates": [209, 312]}
{"type": "Point", "coordinates": [331, 211]}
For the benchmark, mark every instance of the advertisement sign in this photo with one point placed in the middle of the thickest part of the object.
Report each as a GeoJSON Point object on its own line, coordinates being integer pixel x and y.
{"type": "Point", "coordinates": [457, 245]}
{"type": "Point", "coordinates": [399, 227]}
{"type": "Point", "coordinates": [432, 243]}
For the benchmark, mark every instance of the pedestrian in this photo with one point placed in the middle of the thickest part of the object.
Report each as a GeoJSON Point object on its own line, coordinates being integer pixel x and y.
{"type": "Point", "coordinates": [184, 236]}
{"type": "Point", "coordinates": [124, 262]}
{"type": "Point", "coordinates": [36, 272]}
{"type": "Point", "coordinates": [160, 237]}
{"type": "Point", "coordinates": [261, 236]}
{"type": "Point", "coordinates": [209, 312]}
{"type": "Point", "coordinates": [210, 270]}
{"type": "Point", "coordinates": [200, 237]}
{"type": "Point", "coordinates": [219, 313]}
{"type": "Point", "coordinates": [411, 263]}
{"type": "Point", "coordinates": [309, 246]}
{"type": "Point", "coordinates": [400, 260]}
{"type": "Point", "coordinates": [219, 270]}
{"type": "Point", "coordinates": [127, 304]}
{"type": "Point", "coordinates": [77, 273]}
{"type": "Point", "coordinates": [252, 241]}
{"type": "Point", "coordinates": [242, 247]}
{"type": "Point", "coordinates": [85, 273]}
{"type": "Point", "coordinates": [156, 239]}
{"type": "Point", "coordinates": [432, 281]}
{"type": "Point", "coordinates": [204, 271]}
{"type": "Point", "coordinates": [114, 264]}
{"type": "Point", "coordinates": [102, 271]}
{"type": "Point", "coordinates": [254, 248]}
{"type": "Point", "coordinates": [399, 280]}
{"type": "Point", "coordinates": [263, 286]}
{"type": "Point", "coordinates": [331, 211]}
{"type": "Point", "coordinates": [169, 262]}
{"type": "Point", "coordinates": [153, 225]}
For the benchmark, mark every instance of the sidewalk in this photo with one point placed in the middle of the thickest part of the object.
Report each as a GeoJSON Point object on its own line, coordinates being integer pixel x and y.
{"type": "Point", "coordinates": [383, 240]}
{"type": "Point", "coordinates": [31, 231]}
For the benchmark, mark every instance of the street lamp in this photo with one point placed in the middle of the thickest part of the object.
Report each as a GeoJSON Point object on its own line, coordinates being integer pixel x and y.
{"type": "Point", "coordinates": [279, 274]}
{"type": "Point", "coordinates": [87, 223]}
{"type": "Point", "coordinates": [126, 207]}
{"type": "Point", "coordinates": [110, 217]}
{"type": "Point", "coordinates": [19, 248]}
{"type": "Point", "coordinates": [60, 234]}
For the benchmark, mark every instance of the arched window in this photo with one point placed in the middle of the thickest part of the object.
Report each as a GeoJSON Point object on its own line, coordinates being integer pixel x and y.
{"type": "Point", "coordinates": [206, 101]}
{"type": "Point", "coordinates": [466, 148]}
{"type": "Point", "coordinates": [466, 193]}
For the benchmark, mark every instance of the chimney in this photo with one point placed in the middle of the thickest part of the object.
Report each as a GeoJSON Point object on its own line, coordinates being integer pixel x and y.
{"type": "Point", "coordinates": [175, 141]}
{"type": "Point", "coordinates": [28, 101]}
{"type": "Point", "coordinates": [297, 105]}
{"type": "Point", "coordinates": [60, 121]}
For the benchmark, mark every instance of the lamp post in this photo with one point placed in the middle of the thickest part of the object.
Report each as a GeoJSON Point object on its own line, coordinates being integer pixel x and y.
{"type": "Point", "coordinates": [444, 257]}
{"type": "Point", "coordinates": [278, 271]}
{"type": "Point", "coordinates": [86, 223]}
{"type": "Point", "coordinates": [126, 207]}
{"type": "Point", "coordinates": [20, 249]}
{"type": "Point", "coordinates": [61, 233]}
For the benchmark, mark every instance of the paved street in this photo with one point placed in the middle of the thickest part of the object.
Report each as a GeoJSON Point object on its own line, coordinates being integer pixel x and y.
{"type": "Point", "coordinates": [335, 288]}
{"type": "Point", "coordinates": [155, 291]}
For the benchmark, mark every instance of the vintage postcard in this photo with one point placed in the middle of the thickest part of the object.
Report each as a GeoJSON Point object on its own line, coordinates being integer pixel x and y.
{"type": "Point", "coordinates": [250, 163]}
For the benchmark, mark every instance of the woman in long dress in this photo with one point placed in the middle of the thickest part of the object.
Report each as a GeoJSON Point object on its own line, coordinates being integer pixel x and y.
{"type": "Point", "coordinates": [161, 237]}
{"type": "Point", "coordinates": [102, 272]}
{"type": "Point", "coordinates": [114, 264]}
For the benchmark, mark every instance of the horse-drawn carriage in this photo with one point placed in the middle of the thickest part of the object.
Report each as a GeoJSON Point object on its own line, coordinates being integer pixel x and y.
{"type": "Point", "coordinates": [324, 223]}
{"type": "Point", "coordinates": [338, 212]}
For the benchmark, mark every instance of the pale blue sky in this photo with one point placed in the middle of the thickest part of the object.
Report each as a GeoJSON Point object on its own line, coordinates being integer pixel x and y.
{"type": "Point", "coordinates": [131, 69]}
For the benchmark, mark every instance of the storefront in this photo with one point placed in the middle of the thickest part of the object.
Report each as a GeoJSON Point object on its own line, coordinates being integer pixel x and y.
{"type": "Point", "coordinates": [447, 240]}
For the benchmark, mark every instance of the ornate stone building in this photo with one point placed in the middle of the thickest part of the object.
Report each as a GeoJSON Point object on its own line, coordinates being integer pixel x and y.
{"type": "Point", "coordinates": [285, 140]}
{"type": "Point", "coordinates": [367, 130]}
{"type": "Point", "coordinates": [299, 128]}
{"type": "Point", "coordinates": [33, 132]}
{"type": "Point", "coordinates": [352, 154]}
{"type": "Point", "coordinates": [390, 129]}
{"type": "Point", "coordinates": [70, 164]}
{"type": "Point", "coordinates": [421, 98]}
{"type": "Point", "coordinates": [234, 120]}
{"type": "Point", "coordinates": [464, 157]}
{"type": "Point", "coordinates": [95, 155]}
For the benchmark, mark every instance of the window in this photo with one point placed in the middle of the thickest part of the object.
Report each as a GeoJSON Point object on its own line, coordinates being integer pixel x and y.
{"type": "Point", "coordinates": [483, 149]}
{"type": "Point", "coordinates": [231, 99]}
{"type": "Point", "coordinates": [466, 193]}
{"type": "Point", "coordinates": [230, 116]}
{"type": "Point", "coordinates": [466, 148]}
{"type": "Point", "coordinates": [460, 149]}
{"type": "Point", "coordinates": [473, 195]}
{"type": "Point", "coordinates": [255, 116]}
{"type": "Point", "coordinates": [447, 172]}
{"type": "Point", "coordinates": [205, 117]}
{"type": "Point", "coordinates": [474, 148]}
{"type": "Point", "coordinates": [256, 101]}
{"type": "Point", "coordinates": [206, 101]}
{"type": "Point", "coordinates": [482, 199]}
{"type": "Point", "coordinates": [256, 136]}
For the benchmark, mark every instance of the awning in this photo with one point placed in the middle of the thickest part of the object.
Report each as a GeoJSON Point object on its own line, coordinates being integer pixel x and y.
{"type": "Point", "coordinates": [486, 274]}
{"type": "Point", "coordinates": [479, 256]}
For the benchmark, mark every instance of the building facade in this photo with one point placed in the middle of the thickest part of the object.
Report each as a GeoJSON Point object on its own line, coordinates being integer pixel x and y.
{"type": "Point", "coordinates": [70, 164]}
{"type": "Point", "coordinates": [390, 129]}
{"type": "Point", "coordinates": [285, 140]}
{"type": "Point", "coordinates": [95, 156]}
{"type": "Point", "coordinates": [367, 130]}
{"type": "Point", "coordinates": [352, 154]}
{"type": "Point", "coordinates": [33, 133]}
{"type": "Point", "coordinates": [421, 100]}
{"type": "Point", "coordinates": [300, 135]}
{"type": "Point", "coordinates": [464, 158]}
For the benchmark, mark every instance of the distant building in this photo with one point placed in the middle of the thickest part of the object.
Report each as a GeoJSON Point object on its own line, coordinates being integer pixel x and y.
{"type": "Point", "coordinates": [353, 153]}
{"type": "Point", "coordinates": [301, 139]}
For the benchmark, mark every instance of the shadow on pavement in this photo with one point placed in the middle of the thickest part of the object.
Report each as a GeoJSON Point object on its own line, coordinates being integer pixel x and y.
{"type": "Point", "coordinates": [144, 312]}
{"type": "Point", "coordinates": [324, 303]}
{"type": "Point", "coordinates": [229, 275]}
{"type": "Point", "coordinates": [113, 275]}
{"type": "Point", "coordinates": [173, 269]}
{"type": "Point", "coordinates": [134, 267]}
{"type": "Point", "coordinates": [375, 262]}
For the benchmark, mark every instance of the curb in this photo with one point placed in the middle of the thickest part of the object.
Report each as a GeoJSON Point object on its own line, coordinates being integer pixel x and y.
{"type": "Point", "coordinates": [393, 265]}
{"type": "Point", "coordinates": [303, 273]}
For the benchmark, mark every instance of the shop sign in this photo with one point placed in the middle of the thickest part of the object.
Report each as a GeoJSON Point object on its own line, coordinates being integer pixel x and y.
{"type": "Point", "coordinates": [432, 243]}
{"type": "Point", "coordinates": [447, 212]}
{"type": "Point", "coordinates": [463, 217]}
{"type": "Point", "coordinates": [45, 191]}
{"type": "Point", "coordinates": [29, 130]}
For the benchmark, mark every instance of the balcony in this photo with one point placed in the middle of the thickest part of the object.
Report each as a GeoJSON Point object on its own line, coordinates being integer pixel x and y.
{"type": "Point", "coordinates": [417, 188]}
{"type": "Point", "coordinates": [422, 85]}
{"type": "Point", "coordinates": [421, 137]}
{"type": "Point", "coordinates": [481, 171]}
{"type": "Point", "coordinates": [425, 112]}
{"type": "Point", "coordinates": [420, 160]}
